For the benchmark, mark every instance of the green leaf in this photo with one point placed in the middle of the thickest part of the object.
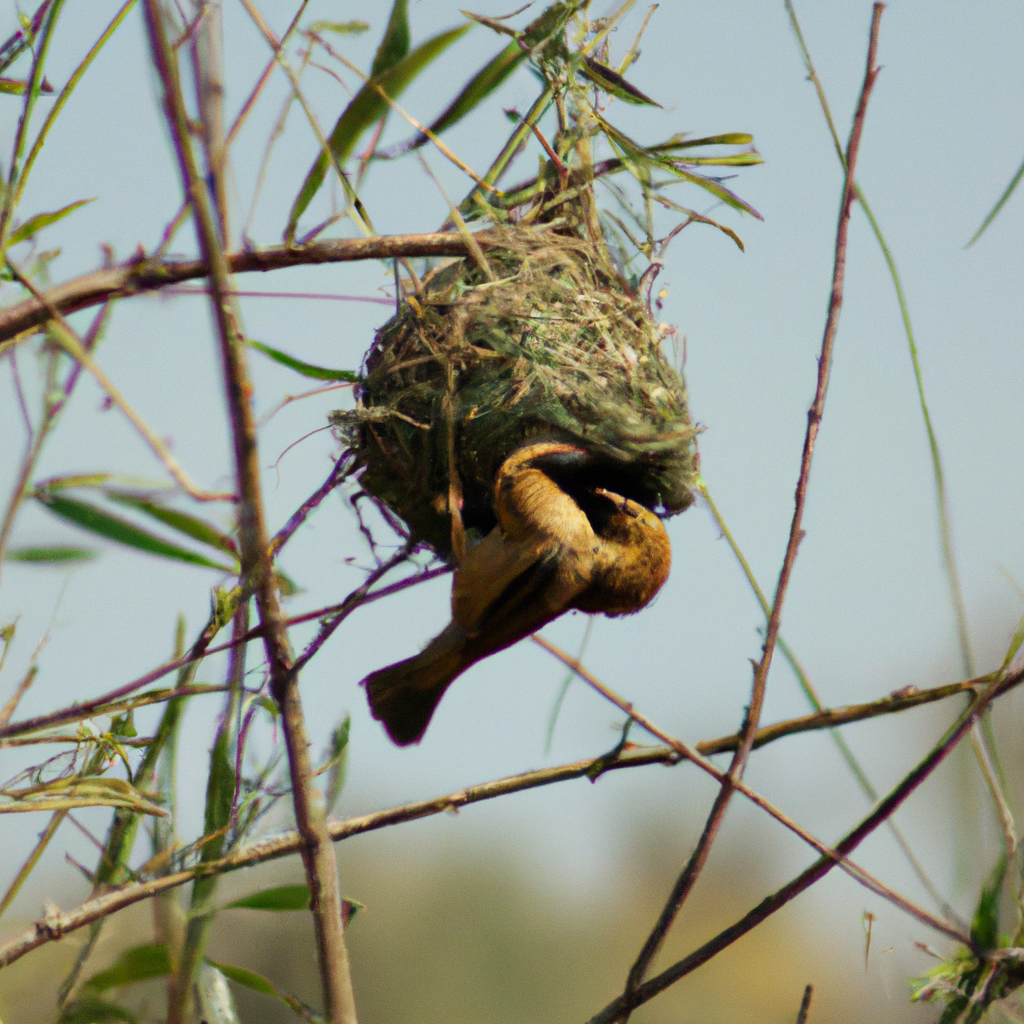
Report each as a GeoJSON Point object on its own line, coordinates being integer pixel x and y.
{"type": "Point", "coordinates": [96, 520]}
{"type": "Point", "coordinates": [41, 220]}
{"type": "Point", "coordinates": [220, 794]}
{"type": "Point", "coordinates": [681, 142]}
{"type": "Point", "coordinates": [395, 44]}
{"type": "Point", "coordinates": [56, 555]}
{"type": "Point", "coordinates": [281, 897]}
{"type": "Point", "coordinates": [250, 979]}
{"type": "Point", "coordinates": [306, 369]}
{"type": "Point", "coordinates": [338, 763]}
{"type": "Point", "coordinates": [366, 108]}
{"type": "Point", "coordinates": [1000, 203]}
{"type": "Point", "coordinates": [476, 90]}
{"type": "Point", "coordinates": [88, 1010]}
{"type": "Point", "coordinates": [343, 28]}
{"type": "Point", "coordinates": [611, 82]}
{"type": "Point", "coordinates": [197, 529]}
{"type": "Point", "coordinates": [985, 926]}
{"type": "Point", "coordinates": [1015, 645]}
{"type": "Point", "coordinates": [137, 964]}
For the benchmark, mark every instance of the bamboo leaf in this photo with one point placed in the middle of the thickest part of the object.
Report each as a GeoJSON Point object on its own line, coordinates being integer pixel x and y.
{"type": "Point", "coordinates": [475, 91]}
{"type": "Point", "coordinates": [89, 1010]}
{"type": "Point", "coordinates": [1000, 203]}
{"type": "Point", "coordinates": [191, 526]}
{"type": "Point", "coordinates": [611, 82]}
{"type": "Point", "coordinates": [338, 763]}
{"type": "Point", "coordinates": [343, 28]}
{"type": "Point", "coordinates": [96, 520]}
{"type": "Point", "coordinates": [41, 220]}
{"type": "Point", "coordinates": [137, 964]}
{"type": "Point", "coordinates": [395, 44]}
{"type": "Point", "coordinates": [366, 108]}
{"type": "Point", "coordinates": [56, 555]}
{"type": "Point", "coordinates": [985, 926]}
{"type": "Point", "coordinates": [281, 897]}
{"type": "Point", "coordinates": [306, 369]}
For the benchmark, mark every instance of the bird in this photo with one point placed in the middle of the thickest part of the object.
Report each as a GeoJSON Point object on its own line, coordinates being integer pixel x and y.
{"type": "Point", "coordinates": [560, 544]}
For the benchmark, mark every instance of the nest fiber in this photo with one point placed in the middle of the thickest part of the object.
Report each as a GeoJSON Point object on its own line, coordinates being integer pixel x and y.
{"type": "Point", "coordinates": [545, 342]}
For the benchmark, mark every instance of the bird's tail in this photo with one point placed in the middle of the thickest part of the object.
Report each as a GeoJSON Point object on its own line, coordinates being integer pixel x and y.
{"type": "Point", "coordinates": [403, 696]}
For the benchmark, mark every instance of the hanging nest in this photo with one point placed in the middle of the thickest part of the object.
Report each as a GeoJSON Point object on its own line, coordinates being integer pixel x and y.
{"type": "Point", "coordinates": [545, 342]}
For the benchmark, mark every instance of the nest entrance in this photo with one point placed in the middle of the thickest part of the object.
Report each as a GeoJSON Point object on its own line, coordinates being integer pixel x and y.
{"type": "Point", "coordinates": [552, 344]}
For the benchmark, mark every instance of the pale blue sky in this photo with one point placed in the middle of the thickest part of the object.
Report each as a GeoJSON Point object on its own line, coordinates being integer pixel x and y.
{"type": "Point", "coordinates": [868, 611]}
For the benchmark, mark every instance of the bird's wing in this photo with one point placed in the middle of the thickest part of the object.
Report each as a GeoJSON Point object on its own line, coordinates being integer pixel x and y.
{"type": "Point", "coordinates": [487, 570]}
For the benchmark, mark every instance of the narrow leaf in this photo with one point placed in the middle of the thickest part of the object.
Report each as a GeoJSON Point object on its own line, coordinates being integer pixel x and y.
{"type": "Point", "coordinates": [281, 897]}
{"type": "Point", "coordinates": [250, 979]}
{"type": "Point", "coordinates": [343, 28]}
{"type": "Point", "coordinates": [611, 82]}
{"type": "Point", "coordinates": [338, 764]}
{"type": "Point", "coordinates": [366, 108]}
{"type": "Point", "coordinates": [476, 90]}
{"type": "Point", "coordinates": [137, 964]}
{"type": "Point", "coordinates": [88, 1010]}
{"type": "Point", "coordinates": [395, 44]}
{"type": "Point", "coordinates": [197, 529]}
{"type": "Point", "coordinates": [90, 517]}
{"type": "Point", "coordinates": [41, 220]}
{"type": "Point", "coordinates": [52, 555]}
{"type": "Point", "coordinates": [1000, 203]}
{"type": "Point", "coordinates": [306, 369]}
{"type": "Point", "coordinates": [985, 926]}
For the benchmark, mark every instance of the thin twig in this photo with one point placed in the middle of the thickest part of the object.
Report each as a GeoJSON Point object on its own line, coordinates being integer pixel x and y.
{"type": "Point", "coordinates": [53, 927]}
{"type": "Point", "coordinates": [621, 1007]}
{"type": "Point", "coordinates": [687, 753]}
{"type": "Point", "coordinates": [142, 275]}
{"type": "Point", "coordinates": [690, 873]}
{"type": "Point", "coordinates": [67, 337]}
{"type": "Point", "coordinates": [257, 570]}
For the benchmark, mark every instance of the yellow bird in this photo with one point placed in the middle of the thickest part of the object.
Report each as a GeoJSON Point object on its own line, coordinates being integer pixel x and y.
{"type": "Point", "coordinates": [550, 552]}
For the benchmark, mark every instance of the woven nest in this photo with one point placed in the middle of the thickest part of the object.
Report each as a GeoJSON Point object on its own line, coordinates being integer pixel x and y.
{"type": "Point", "coordinates": [550, 344]}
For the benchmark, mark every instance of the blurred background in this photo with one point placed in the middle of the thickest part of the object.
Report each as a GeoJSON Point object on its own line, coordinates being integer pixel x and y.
{"type": "Point", "coordinates": [533, 907]}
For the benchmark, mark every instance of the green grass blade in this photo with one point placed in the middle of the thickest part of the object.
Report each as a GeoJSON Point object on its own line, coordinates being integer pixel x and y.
{"type": "Point", "coordinates": [137, 964]}
{"type": "Point", "coordinates": [191, 526]}
{"type": "Point", "coordinates": [56, 555]}
{"type": "Point", "coordinates": [611, 82]}
{"type": "Point", "coordinates": [306, 369]}
{"type": "Point", "coordinates": [41, 220]}
{"type": "Point", "coordinates": [65, 93]}
{"type": "Point", "coordinates": [475, 91]}
{"type": "Point", "coordinates": [103, 524]}
{"type": "Point", "coordinates": [395, 44]}
{"type": "Point", "coordinates": [993, 213]}
{"type": "Point", "coordinates": [366, 108]}
{"type": "Point", "coordinates": [281, 897]}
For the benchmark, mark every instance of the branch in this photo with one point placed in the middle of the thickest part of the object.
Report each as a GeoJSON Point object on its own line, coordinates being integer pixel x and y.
{"type": "Point", "coordinates": [684, 884]}
{"type": "Point", "coordinates": [257, 568]}
{"type": "Point", "coordinates": [51, 928]}
{"type": "Point", "coordinates": [140, 274]}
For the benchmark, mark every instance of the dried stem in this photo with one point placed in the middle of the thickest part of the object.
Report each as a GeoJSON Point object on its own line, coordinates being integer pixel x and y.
{"type": "Point", "coordinates": [684, 884]}
{"type": "Point", "coordinates": [257, 571]}
{"type": "Point", "coordinates": [621, 1007]}
{"type": "Point", "coordinates": [853, 870]}
{"type": "Point", "coordinates": [144, 275]}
